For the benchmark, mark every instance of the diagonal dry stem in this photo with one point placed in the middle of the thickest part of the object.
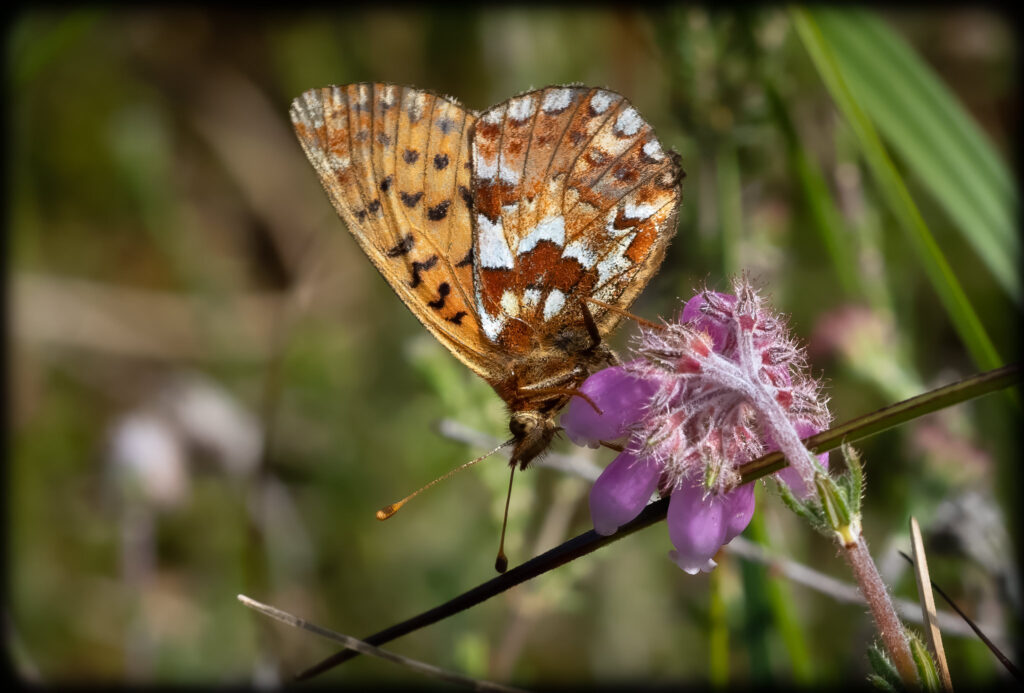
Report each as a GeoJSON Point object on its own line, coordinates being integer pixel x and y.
{"type": "Point", "coordinates": [365, 648]}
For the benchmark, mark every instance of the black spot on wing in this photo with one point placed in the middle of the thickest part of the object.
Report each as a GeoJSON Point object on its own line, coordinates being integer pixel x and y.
{"type": "Point", "coordinates": [442, 290]}
{"type": "Point", "coordinates": [439, 211]}
{"type": "Point", "coordinates": [403, 247]}
{"type": "Point", "coordinates": [445, 125]}
{"type": "Point", "coordinates": [410, 156]}
{"type": "Point", "coordinates": [457, 318]}
{"type": "Point", "coordinates": [440, 161]}
{"type": "Point", "coordinates": [410, 201]}
{"type": "Point", "coordinates": [418, 267]}
{"type": "Point", "coordinates": [466, 261]}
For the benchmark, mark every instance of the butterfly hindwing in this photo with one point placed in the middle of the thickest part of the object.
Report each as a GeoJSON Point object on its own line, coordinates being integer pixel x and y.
{"type": "Point", "coordinates": [574, 198]}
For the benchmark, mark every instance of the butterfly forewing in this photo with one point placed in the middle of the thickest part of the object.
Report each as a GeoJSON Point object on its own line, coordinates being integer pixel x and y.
{"type": "Point", "coordinates": [392, 160]}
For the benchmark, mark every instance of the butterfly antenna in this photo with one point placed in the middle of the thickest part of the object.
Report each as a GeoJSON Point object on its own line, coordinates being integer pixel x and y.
{"type": "Point", "coordinates": [389, 510]}
{"type": "Point", "coordinates": [501, 562]}
{"type": "Point", "coordinates": [625, 313]}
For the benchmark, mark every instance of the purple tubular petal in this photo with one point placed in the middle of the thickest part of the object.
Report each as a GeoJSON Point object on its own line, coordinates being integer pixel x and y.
{"type": "Point", "coordinates": [700, 526]}
{"type": "Point", "coordinates": [739, 505]}
{"type": "Point", "coordinates": [621, 398]}
{"type": "Point", "coordinates": [696, 527]}
{"type": "Point", "coordinates": [621, 492]}
{"type": "Point", "coordinates": [691, 313]}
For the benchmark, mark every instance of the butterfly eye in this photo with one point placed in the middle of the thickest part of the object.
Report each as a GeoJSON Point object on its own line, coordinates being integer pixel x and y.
{"type": "Point", "coordinates": [520, 425]}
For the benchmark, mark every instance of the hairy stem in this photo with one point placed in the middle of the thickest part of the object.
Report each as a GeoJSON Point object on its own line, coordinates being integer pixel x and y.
{"type": "Point", "coordinates": [890, 628]}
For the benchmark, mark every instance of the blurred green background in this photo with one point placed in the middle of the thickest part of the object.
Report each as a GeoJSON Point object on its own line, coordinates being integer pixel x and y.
{"type": "Point", "coordinates": [212, 391]}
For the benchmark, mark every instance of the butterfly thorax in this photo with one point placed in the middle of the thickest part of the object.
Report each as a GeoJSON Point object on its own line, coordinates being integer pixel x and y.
{"type": "Point", "coordinates": [533, 405]}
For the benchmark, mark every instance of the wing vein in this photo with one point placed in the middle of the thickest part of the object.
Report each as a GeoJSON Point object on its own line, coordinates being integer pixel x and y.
{"type": "Point", "coordinates": [600, 214]}
{"type": "Point", "coordinates": [554, 152]}
{"type": "Point", "coordinates": [569, 170]}
{"type": "Point", "coordinates": [455, 185]}
{"type": "Point", "coordinates": [526, 159]}
{"type": "Point", "coordinates": [607, 168]}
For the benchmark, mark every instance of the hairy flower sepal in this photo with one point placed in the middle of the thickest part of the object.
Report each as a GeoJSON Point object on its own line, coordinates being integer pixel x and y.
{"type": "Point", "coordinates": [834, 509]}
{"type": "Point", "coordinates": [845, 524]}
{"type": "Point", "coordinates": [885, 676]}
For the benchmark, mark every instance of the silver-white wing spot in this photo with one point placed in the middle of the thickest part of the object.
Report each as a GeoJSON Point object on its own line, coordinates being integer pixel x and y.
{"type": "Point", "coordinates": [510, 304]}
{"type": "Point", "coordinates": [531, 297]}
{"type": "Point", "coordinates": [483, 167]}
{"type": "Point", "coordinates": [556, 100]}
{"type": "Point", "coordinates": [551, 229]}
{"type": "Point", "coordinates": [581, 251]}
{"type": "Point", "coordinates": [640, 211]}
{"type": "Point", "coordinates": [509, 174]}
{"type": "Point", "coordinates": [553, 304]}
{"type": "Point", "coordinates": [601, 101]}
{"type": "Point", "coordinates": [491, 325]}
{"type": "Point", "coordinates": [653, 150]}
{"type": "Point", "coordinates": [494, 252]}
{"type": "Point", "coordinates": [629, 122]}
{"type": "Point", "coordinates": [520, 109]}
{"type": "Point", "coordinates": [616, 261]}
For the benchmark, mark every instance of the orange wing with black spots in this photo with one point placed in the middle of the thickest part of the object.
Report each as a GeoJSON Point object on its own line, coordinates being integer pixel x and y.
{"type": "Point", "coordinates": [574, 198]}
{"type": "Point", "coordinates": [395, 163]}
{"type": "Point", "coordinates": [494, 230]}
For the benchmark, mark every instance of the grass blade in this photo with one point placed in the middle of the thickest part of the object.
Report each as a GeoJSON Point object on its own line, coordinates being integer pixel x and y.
{"type": "Point", "coordinates": [932, 133]}
{"type": "Point", "coordinates": [892, 188]}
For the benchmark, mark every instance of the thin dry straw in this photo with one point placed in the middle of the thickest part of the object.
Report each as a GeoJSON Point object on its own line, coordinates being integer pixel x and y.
{"type": "Point", "coordinates": [367, 649]}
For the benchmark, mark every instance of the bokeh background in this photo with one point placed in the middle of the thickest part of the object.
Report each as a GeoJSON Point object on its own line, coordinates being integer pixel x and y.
{"type": "Point", "coordinates": [211, 390]}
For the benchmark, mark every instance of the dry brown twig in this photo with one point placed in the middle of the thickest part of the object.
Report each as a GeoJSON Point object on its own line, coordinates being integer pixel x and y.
{"type": "Point", "coordinates": [365, 648]}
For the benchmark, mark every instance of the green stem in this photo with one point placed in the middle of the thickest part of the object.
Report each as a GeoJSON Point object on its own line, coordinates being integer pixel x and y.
{"type": "Point", "coordinates": [780, 602]}
{"type": "Point", "coordinates": [718, 635]}
{"type": "Point", "coordinates": [891, 416]}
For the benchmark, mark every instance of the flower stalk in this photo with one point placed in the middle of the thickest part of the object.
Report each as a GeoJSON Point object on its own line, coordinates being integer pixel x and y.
{"type": "Point", "coordinates": [890, 628]}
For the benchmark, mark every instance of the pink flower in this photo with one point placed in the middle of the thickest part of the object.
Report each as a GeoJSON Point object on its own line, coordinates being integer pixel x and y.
{"type": "Point", "coordinates": [705, 395]}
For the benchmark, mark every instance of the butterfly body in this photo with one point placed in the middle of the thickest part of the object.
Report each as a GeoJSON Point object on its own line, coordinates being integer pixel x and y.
{"type": "Point", "coordinates": [495, 228]}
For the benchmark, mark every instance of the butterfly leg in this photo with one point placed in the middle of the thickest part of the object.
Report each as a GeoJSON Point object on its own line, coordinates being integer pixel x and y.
{"type": "Point", "coordinates": [555, 386]}
{"type": "Point", "coordinates": [591, 325]}
{"type": "Point", "coordinates": [555, 381]}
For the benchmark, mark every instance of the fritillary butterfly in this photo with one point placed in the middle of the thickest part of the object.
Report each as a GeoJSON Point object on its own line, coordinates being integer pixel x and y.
{"type": "Point", "coordinates": [495, 228]}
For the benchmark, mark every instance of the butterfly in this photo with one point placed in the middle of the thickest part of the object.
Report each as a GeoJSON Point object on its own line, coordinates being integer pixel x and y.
{"type": "Point", "coordinates": [498, 228]}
